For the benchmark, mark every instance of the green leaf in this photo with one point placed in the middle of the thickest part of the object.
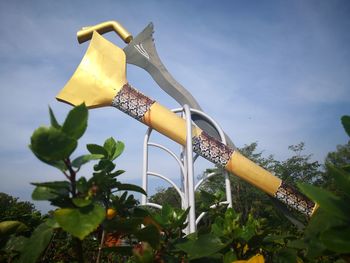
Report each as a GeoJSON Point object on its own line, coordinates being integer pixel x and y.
{"type": "Point", "coordinates": [315, 249]}
{"type": "Point", "coordinates": [79, 161]}
{"type": "Point", "coordinates": [279, 239]}
{"type": "Point", "coordinates": [286, 255]}
{"type": "Point", "coordinates": [53, 120]}
{"type": "Point", "coordinates": [80, 221]}
{"type": "Point", "coordinates": [328, 201]}
{"type": "Point", "coordinates": [15, 243]}
{"type": "Point", "coordinates": [61, 187]}
{"type": "Point", "coordinates": [217, 228]}
{"type": "Point", "coordinates": [81, 202]}
{"type": "Point", "coordinates": [110, 145]}
{"type": "Point", "coordinates": [51, 222]}
{"type": "Point", "coordinates": [249, 229]}
{"type": "Point", "coordinates": [50, 190]}
{"type": "Point", "coordinates": [104, 165]}
{"type": "Point", "coordinates": [44, 193]}
{"type": "Point", "coordinates": [97, 149]}
{"type": "Point", "coordinates": [113, 148]}
{"type": "Point", "coordinates": [229, 225]}
{"type": "Point", "coordinates": [229, 257]}
{"type": "Point", "coordinates": [58, 164]}
{"type": "Point", "coordinates": [183, 217]}
{"type": "Point", "coordinates": [149, 234]}
{"type": "Point", "coordinates": [10, 227]}
{"type": "Point", "coordinates": [346, 168]}
{"type": "Point", "coordinates": [82, 185]}
{"type": "Point", "coordinates": [36, 244]}
{"type": "Point", "coordinates": [320, 222]}
{"type": "Point", "coordinates": [207, 198]}
{"type": "Point", "coordinates": [141, 211]}
{"type": "Point", "coordinates": [116, 173]}
{"type": "Point", "coordinates": [337, 239]}
{"type": "Point", "coordinates": [345, 120]}
{"type": "Point", "coordinates": [204, 246]}
{"type": "Point", "coordinates": [341, 178]}
{"type": "Point", "coordinates": [165, 216]}
{"type": "Point", "coordinates": [52, 144]}
{"type": "Point", "coordinates": [118, 150]}
{"type": "Point", "coordinates": [297, 244]}
{"type": "Point", "coordinates": [76, 122]}
{"type": "Point", "coordinates": [131, 187]}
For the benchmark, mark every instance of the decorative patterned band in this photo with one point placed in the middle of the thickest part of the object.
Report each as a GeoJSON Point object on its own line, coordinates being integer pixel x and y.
{"type": "Point", "coordinates": [211, 149]}
{"type": "Point", "coordinates": [132, 102]}
{"type": "Point", "coordinates": [293, 198]}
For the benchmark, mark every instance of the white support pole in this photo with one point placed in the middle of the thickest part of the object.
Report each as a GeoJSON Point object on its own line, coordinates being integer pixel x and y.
{"type": "Point", "coordinates": [228, 189]}
{"type": "Point", "coordinates": [190, 172]}
{"type": "Point", "coordinates": [184, 179]}
{"type": "Point", "coordinates": [145, 166]}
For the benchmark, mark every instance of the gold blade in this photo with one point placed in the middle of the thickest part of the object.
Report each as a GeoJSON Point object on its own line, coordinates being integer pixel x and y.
{"type": "Point", "coordinates": [99, 76]}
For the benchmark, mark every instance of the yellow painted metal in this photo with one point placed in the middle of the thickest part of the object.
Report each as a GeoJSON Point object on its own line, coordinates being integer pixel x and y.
{"type": "Point", "coordinates": [99, 76]}
{"type": "Point", "coordinates": [86, 33]}
{"type": "Point", "coordinates": [315, 209]}
{"type": "Point", "coordinates": [252, 173]}
{"type": "Point", "coordinates": [168, 123]}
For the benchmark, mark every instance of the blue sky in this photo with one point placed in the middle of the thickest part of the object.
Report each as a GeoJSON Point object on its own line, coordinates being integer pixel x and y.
{"type": "Point", "coordinates": [275, 72]}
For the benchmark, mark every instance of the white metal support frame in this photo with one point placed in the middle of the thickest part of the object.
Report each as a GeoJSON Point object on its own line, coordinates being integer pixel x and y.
{"type": "Point", "coordinates": [186, 164]}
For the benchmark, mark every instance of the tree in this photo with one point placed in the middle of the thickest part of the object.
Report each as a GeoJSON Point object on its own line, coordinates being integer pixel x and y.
{"type": "Point", "coordinates": [339, 158]}
{"type": "Point", "coordinates": [13, 209]}
{"type": "Point", "coordinates": [299, 167]}
{"type": "Point", "coordinates": [166, 196]}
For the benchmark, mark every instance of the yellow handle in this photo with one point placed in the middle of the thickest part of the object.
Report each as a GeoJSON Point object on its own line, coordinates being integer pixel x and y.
{"type": "Point", "coordinates": [252, 173]}
{"type": "Point", "coordinates": [166, 122]}
{"type": "Point", "coordinates": [171, 125]}
{"type": "Point", "coordinates": [85, 33]}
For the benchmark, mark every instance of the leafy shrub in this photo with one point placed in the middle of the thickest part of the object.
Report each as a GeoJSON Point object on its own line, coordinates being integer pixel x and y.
{"type": "Point", "coordinates": [97, 220]}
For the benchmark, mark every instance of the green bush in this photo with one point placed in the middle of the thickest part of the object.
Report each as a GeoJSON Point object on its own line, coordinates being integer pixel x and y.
{"type": "Point", "coordinates": [97, 220]}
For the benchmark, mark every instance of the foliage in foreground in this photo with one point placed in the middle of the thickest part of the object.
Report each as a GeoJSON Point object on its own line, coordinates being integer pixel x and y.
{"type": "Point", "coordinates": [97, 220]}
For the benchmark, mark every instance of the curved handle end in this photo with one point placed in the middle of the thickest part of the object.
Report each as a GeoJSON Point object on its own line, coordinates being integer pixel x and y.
{"type": "Point", "coordinates": [85, 33]}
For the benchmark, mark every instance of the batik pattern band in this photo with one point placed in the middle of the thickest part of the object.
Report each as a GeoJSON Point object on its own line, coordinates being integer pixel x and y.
{"type": "Point", "coordinates": [211, 149]}
{"type": "Point", "coordinates": [132, 102]}
{"type": "Point", "coordinates": [293, 198]}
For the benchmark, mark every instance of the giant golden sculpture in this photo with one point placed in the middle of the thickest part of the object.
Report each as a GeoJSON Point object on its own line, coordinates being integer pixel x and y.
{"type": "Point", "coordinates": [100, 80]}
